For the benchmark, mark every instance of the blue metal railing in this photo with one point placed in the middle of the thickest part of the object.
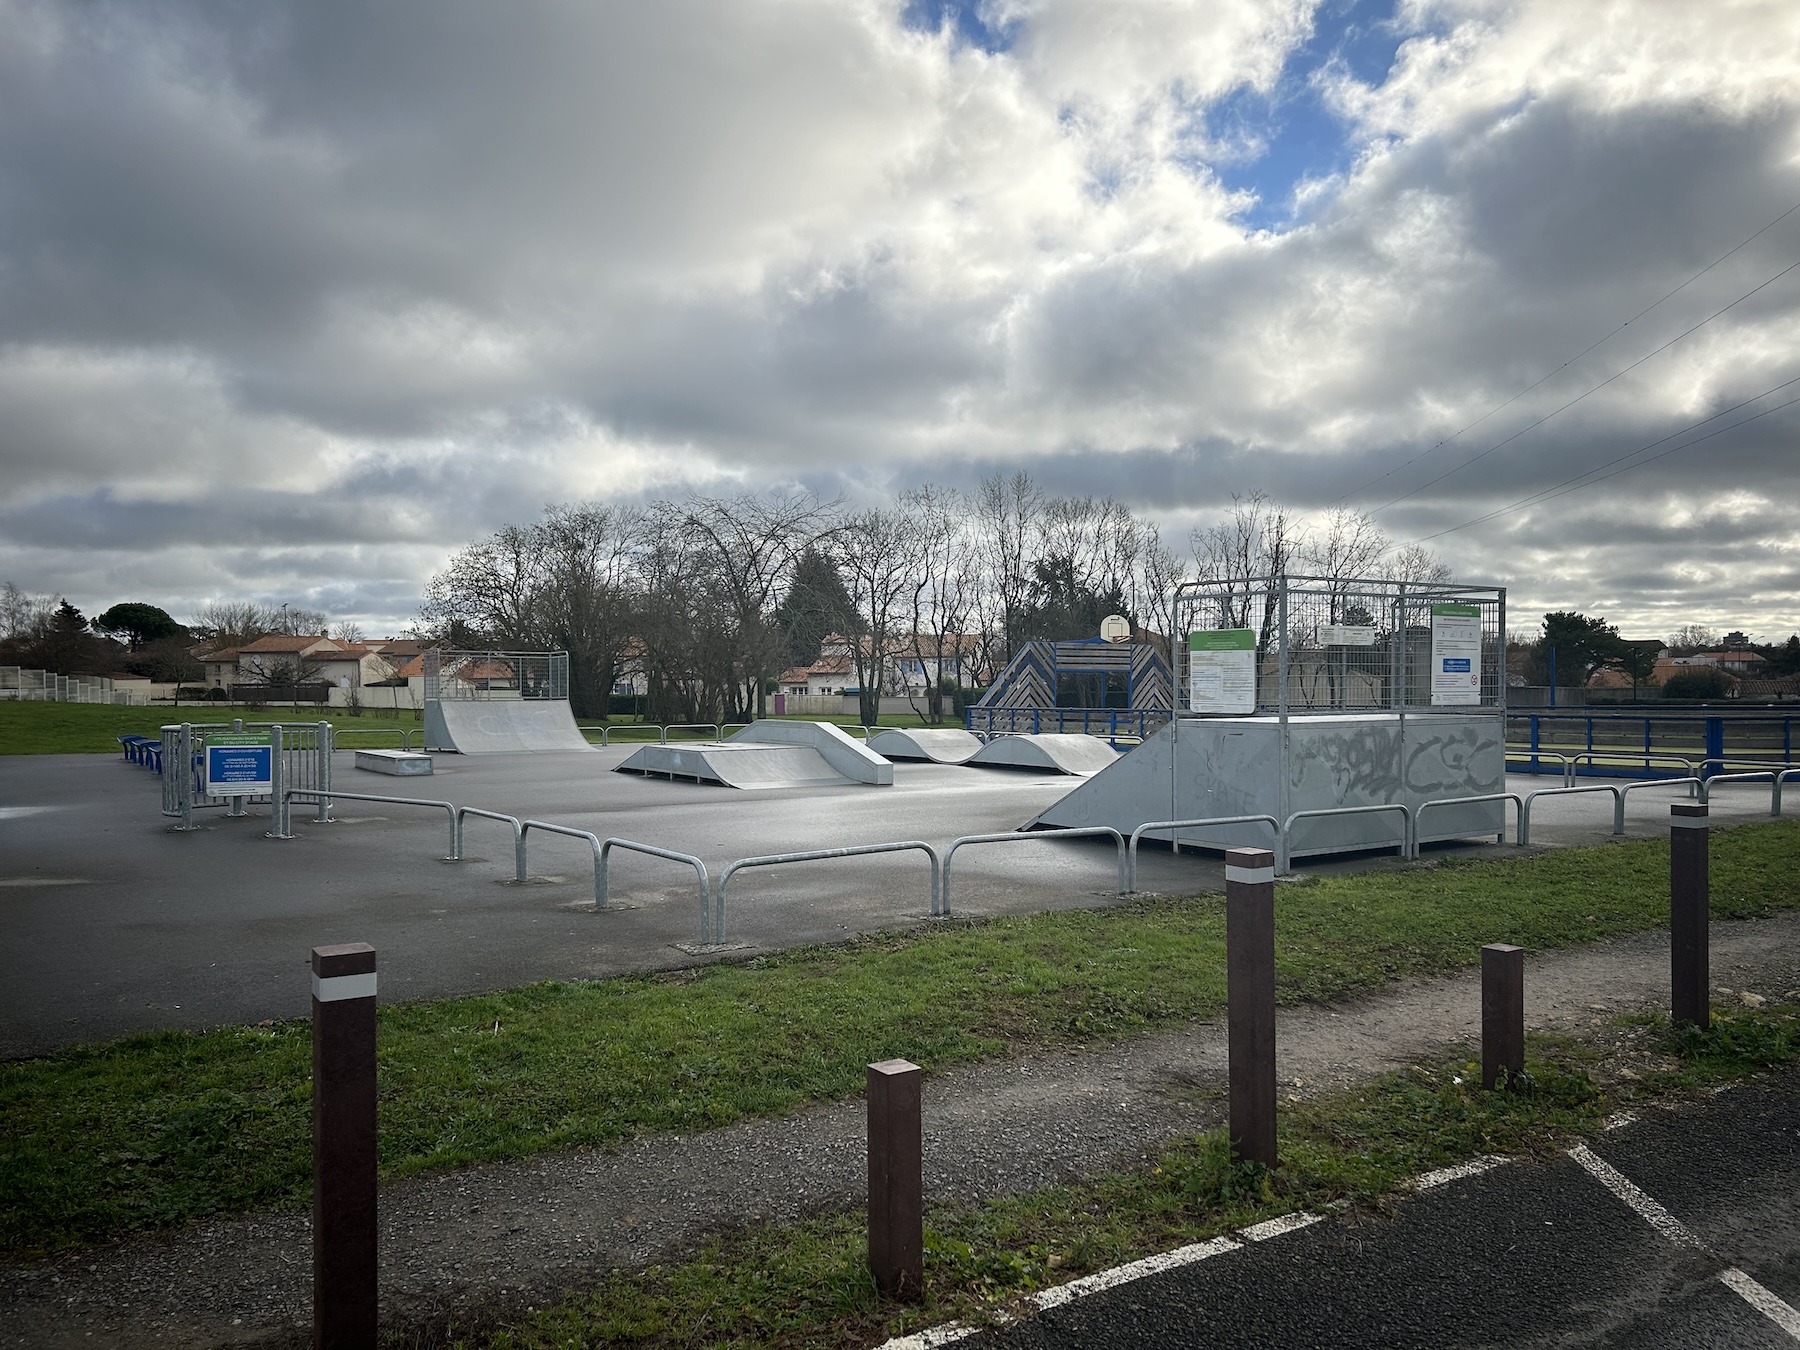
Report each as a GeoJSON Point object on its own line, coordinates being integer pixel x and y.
{"type": "Point", "coordinates": [1110, 724]}
{"type": "Point", "coordinates": [1646, 745]}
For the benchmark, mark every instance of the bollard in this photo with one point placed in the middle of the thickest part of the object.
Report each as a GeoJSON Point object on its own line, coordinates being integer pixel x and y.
{"type": "Point", "coordinates": [1690, 965]}
{"type": "Point", "coordinates": [1250, 1000]}
{"type": "Point", "coordinates": [1502, 1012]}
{"type": "Point", "coordinates": [343, 1126]}
{"type": "Point", "coordinates": [896, 1188]}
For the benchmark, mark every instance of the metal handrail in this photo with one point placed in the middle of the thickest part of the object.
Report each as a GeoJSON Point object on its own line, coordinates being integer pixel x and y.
{"type": "Point", "coordinates": [662, 732]}
{"type": "Point", "coordinates": [691, 726]}
{"type": "Point", "coordinates": [520, 873]}
{"type": "Point", "coordinates": [1527, 752]}
{"type": "Point", "coordinates": [602, 847]}
{"type": "Point", "coordinates": [1513, 797]}
{"type": "Point", "coordinates": [943, 909]}
{"type": "Point", "coordinates": [1572, 765]}
{"type": "Point", "coordinates": [1285, 844]}
{"type": "Point", "coordinates": [1131, 848]}
{"type": "Point", "coordinates": [1775, 775]}
{"type": "Point", "coordinates": [1695, 786]}
{"type": "Point", "coordinates": [1530, 797]}
{"type": "Point", "coordinates": [326, 798]}
{"type": "Point", "coordinates": [813, 855]}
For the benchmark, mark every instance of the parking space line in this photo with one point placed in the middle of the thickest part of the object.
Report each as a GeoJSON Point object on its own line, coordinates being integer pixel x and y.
{"type": "Point", "coordinates": [1620, 1185]}
{"type": "Point", "coordinates": [1150, 1265]}
{"type": "Point", "coordinates": [1780, 1313]}
{"type": "Point", "coordinates": [1487, 1162]}
{"type": "Point", "coordinates": [1287, 1223]}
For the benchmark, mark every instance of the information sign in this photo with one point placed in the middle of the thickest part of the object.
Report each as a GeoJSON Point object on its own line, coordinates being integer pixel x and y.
{"type": "Point", "coordinates": [1222, 671]}
{"type": "Point", "coordinates": [1346, 635]}
{"type": "Point", "coordinates": [239, 765]}
{"type": "Point", "coordinates": [1455, 653]}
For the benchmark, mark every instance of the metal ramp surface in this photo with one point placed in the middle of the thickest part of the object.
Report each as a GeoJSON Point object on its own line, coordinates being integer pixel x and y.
{"type": "Point", "coordinates": [945, 745]}
{"type": "Point", "coordinates": [770, 753]}
{"type": "Point", "coordinates": [1047, 753]}
{"type": "Point", "coordinates": [481, 727]}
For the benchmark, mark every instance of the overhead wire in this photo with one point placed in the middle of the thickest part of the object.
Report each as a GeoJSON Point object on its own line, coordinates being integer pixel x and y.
{"type": "Point", "coordinates": [1532, 426]}
{"type": "Point", "coordinates": [1501, 407]}
{"type": "Point", "coordinates": [1587, 478]}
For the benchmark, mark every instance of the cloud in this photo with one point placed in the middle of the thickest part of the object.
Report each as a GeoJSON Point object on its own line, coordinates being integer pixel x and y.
{"type": "Point", "coordinates": [346, 286]}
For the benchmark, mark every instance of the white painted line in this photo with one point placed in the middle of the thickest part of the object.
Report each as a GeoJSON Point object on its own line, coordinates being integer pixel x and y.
{"type": "Point", "coordinates": [1272, 1228]}
{"type": "Point", "coordinates": [1780, 1313]}
{"type": "Point", "coordinates": [331, 988]}
{"type": "Point", "coordinates": [930, 1339]}
{"type": "Point", "coordinates": [1620, 1185]}
{"type": "Point", "coordinates": [1620, 1119]}
{"type": "Point", "coordinates": [1137, 1270]}
{"type": "Point", "coordinates": [1249, 875]}
{"type": "Point", "coordinates": [1487, 1162]}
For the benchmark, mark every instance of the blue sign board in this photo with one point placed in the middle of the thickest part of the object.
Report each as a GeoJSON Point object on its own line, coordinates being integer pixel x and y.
{"type": "Point", "coordinates": [239, 766]}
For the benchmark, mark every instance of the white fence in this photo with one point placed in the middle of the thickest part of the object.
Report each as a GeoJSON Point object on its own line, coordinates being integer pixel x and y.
{"type": "Point", "coordinates": [44, 686]}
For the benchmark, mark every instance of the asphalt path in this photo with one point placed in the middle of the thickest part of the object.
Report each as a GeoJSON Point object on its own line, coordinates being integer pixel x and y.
{"type": "Point", "coordinates": [1526, 1254]}
{"type": "Point", "coordinates": [113, 924]}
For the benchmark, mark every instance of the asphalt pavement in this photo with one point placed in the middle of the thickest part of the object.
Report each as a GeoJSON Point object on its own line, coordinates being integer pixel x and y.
{"type": "Point", "coordinates": [114, 924]}
{"type": "Point", "coordinates": [1675, 1231]}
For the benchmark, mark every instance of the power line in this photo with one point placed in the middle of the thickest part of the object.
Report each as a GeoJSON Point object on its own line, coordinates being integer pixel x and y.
{"type": "Point", "coordinates": [1501, 407]}
{"type": "Point", "coordinates": [1532, 426]}
{"type": "Point", "coordinates": [1594, 475]}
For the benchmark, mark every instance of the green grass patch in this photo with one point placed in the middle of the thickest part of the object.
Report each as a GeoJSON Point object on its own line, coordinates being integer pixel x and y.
{"type": "Point", "coordinates": [94, 728]}
{"type": "Point", "coordinates": [806, 1284]}
{"type": "Point", "coordinates": [162, 1128]}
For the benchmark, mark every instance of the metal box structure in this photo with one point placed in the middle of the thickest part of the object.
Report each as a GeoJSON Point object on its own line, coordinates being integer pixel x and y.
{"type": "Point", "coordinates": [1298, 694]}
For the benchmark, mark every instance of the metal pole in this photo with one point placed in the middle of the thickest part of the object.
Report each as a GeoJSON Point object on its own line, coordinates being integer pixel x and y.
{"type": "Point", "coordinates": [1502, 1012]}
{"type": "Point", "coordinates": [278, 785]}
{"type": "Point", "coordinates": [1250, 1000]}
{"type": "Point", "coordinates": [323, 775]}
{"type": "Point", "coordinates": [343, 1138]}
{"type": "Point", "coordinates": [1689, 955]}
{"type": "Point", "coordinates": [896, 1185]}
{"type": "Point", "coordinates": [185, 780]}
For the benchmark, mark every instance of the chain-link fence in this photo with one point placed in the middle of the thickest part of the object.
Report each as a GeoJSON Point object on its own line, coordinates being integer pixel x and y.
{"type": "Point", "coordinates": [1301, 644]}
{"type": "Point", "coordinates": [495, 676]}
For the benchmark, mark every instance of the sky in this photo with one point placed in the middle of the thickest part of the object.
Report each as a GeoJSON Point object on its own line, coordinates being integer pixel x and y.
{"type": "Point", "coordinates": [298, 297]}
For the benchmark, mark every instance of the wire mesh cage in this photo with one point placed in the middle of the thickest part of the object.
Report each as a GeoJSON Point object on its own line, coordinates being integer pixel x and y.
{"type": "Point", "coordinates": [495, 676]}
{"type": "Point", "coordinates": [1294, 645]}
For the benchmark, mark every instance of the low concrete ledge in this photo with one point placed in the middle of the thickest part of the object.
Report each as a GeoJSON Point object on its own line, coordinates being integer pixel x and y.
{"type": "Point", "coordinates": [397, 763]}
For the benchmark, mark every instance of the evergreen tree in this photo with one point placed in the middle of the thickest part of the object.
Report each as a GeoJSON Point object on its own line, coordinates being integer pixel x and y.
{"type": "Point", "coordinates": [817, 604]}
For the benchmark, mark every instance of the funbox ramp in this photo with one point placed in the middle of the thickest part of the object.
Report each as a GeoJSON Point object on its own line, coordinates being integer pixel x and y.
{"type": "Point", "coordinates": [1048, 752]}
{"type": "Point", "coordinates": [1203, 768]}
{"type": "Point", "coordinates": [476, 727]}
{"type": "Point", "coordinates": [946, 745]}
{"type": "Point", "coordinates": [767, 754]}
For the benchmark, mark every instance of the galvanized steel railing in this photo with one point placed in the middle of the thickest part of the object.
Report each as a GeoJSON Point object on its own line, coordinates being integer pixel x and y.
{"type": "Point", "coordinates": [1419, 811]}
{"type": "Point", "coordinates": [326, 798]}
{"type": "Point", "coordinates": [815, 855]}
{"type": "Point", "coordinates": [943, 909]}
{"type": "Point", "coordinates": [1284, 850]}
{"type": "Point", "coordinates": [1173, 826]}
{"type": "Point", "coordinates": [520, 873]}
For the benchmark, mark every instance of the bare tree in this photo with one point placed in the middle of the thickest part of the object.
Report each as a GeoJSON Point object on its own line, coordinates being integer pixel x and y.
{"type": "Point", "coordinates": [23, 615]}
{"type": "Point", "coordinates": [1416, 563]}
{"type": "Point", "coordinates": [1010, 513]}
{"type": "Point", "coordinates": [877, 554]}
{"type": "Point", "coordinates": [1161, 572]}
{"type": "Point", "coordinates": [1258, 539]}
{"type": "Point", "coordinates": [943, 595]}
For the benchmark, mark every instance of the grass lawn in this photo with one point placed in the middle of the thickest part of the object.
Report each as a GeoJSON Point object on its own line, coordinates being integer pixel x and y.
{"type": "Point", "coordinates": [94, 728]}
{"type": "Point", "coordinates": [166, 1127]}
{"type": "Point", "coordinates": [807, 1284]}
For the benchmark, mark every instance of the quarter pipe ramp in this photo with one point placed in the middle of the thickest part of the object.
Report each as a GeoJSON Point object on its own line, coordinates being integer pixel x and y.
{"type": "Point", "coordinates": [476, 727]}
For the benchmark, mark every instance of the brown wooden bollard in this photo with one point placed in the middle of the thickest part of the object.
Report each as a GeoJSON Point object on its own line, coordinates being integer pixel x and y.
{"type": "Point", "coordinates": [1690, 960]}
{"type": "Point", "coordinates": [343, 1124]}
{"type": "Point", "coordinates": [1502, 1012]}
{"type": "Point", "coordinates": [1250, 1000]}
{"type": "Point", "coordinates": [896, 1185]}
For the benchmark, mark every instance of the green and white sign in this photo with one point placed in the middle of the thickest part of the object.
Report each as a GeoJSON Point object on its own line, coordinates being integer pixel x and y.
{"type": "Point", "coordinates": [1455, 653]}
{"type": "Point", "coordinates": [239, 765]}
{"type": "Point", "coordinates": [1222, 671]}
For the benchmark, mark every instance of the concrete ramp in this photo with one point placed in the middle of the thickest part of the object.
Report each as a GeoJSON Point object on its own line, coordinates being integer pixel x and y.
{"type": "Point", "coordinates": [938, 745]}
{"type": "Point", "coordinates": [736, 766]}
{"type": "Point", "coordinates": [850, 757]}
{"type": "Point", "coordinates": [1047, 753]}
{"type": "Point", "coordinates": [767, 754]}
{"type": "Point", "coordinates": [476, 727]}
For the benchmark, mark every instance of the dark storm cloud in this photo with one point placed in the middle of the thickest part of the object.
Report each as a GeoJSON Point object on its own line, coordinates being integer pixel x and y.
{"type": "Point", "coordinates": [338, 287]}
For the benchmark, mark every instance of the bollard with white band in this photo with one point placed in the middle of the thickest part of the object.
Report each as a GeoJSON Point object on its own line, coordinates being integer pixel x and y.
{"type": "Point", "coordinates": [1689, 897]}
{"type": "Point", "coordinates": [1250, 1000]}
{"type": "Point", "coordinates": [343, 1137]}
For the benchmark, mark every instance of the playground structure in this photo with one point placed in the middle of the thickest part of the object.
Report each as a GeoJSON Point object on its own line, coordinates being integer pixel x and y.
{"type": "Point", "coordinates": [1298, 695]}
{"type": "Point", "coordinates": [1092, 686]}
{"type": "Point", "coordinates": [480, 703]}
{"type": "Point", "coordinates": [769, 753]}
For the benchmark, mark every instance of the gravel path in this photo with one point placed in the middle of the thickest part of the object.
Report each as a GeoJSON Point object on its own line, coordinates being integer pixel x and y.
{"type": "Point", "coordinates": [509, 1235]}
